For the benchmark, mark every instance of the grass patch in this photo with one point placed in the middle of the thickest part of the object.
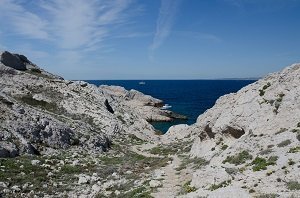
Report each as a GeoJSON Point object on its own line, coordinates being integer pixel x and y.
{"type": "Point", "coordinates": [238, 159]}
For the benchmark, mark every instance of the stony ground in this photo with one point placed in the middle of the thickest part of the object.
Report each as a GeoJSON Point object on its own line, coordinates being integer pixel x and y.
{"type": "Point", "coordinates": [152, 171]}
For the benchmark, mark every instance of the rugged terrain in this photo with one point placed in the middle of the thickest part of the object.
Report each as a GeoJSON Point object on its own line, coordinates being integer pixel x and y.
{"type": "Point", "coordinates": [250, 140]}
{"type": "Point", "coordinates": [70, 138]}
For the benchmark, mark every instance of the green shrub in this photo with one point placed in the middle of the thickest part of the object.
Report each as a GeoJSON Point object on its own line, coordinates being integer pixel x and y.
{"type": "Point", "coordinates": [35, 70]}
{"type": "Point", "coordinates": [224, 147]}
{"type": "Point", "coordinates": [231, 171]}
{"type": "Point", "coordinates": [187, 188]}
{"type": "Point", "coordinates": [293, 185]}
{"type": "Point", "coordinates": [238, 159]}
{"type": "Point", "coordinates": [291, 162]}
{"type": "Point", "coordinates": [267, 196]}
{"type": "Point", "coordinates": [220, 185]}
{"type": "Point", "coordinates": [261, 163]}
{"type": "Point", "coordinates": [266, 86]}
{"type": "Point", "coordinates": [295, 149]}
{"type": "Point", "coordinates": [284, 143]}
{"type": "Point", "coordinates": [261, 92]}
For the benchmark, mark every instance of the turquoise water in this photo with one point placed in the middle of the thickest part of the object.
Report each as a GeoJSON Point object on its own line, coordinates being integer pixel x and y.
{"type": "Point", "coordinates": [187, 97]}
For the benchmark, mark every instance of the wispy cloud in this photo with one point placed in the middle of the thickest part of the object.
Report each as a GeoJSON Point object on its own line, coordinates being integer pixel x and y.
{"type": "Point", "coordinates": [22, 21]}
{"type": "Point", "coordinates": [165, 22]}
{"type": "Point", "coordinates": [69, 24]}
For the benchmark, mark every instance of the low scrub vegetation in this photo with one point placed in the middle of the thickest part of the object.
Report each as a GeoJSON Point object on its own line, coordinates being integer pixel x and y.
{"type": "Point", "coordinates": [238, 159]}
{"type": "Point", "coordinates": [220, 185]}
{"type": "Point", "coordinates": [293, 185]}
{"type": "Point", "coordinates": [262, 163]}
{"type": "Point", "coordinates": [284, 143]}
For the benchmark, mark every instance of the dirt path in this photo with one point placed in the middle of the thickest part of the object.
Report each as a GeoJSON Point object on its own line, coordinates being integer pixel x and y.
{"type": "Point", "coordinates": [172, 182]}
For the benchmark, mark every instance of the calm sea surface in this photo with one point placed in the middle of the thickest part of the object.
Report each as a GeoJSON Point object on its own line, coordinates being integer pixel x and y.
{"type": "Point", "coordinates": [187, 97]}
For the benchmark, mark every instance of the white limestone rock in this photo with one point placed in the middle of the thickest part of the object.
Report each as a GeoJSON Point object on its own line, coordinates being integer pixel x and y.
{"type": "Point", "coordinates": [155, 183]}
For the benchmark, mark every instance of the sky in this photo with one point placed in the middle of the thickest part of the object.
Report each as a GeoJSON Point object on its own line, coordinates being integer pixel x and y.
{"type": "Point", "coordinates": [153, 39]}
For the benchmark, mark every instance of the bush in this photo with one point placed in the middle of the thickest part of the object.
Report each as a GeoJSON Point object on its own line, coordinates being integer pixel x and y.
{"type": "Point", "coordinates": [220, 185]}
{"type": "Point", "coordinates": [261, 92]}
{"type": "Point", "coordinates": [36, 70]}
{"type": "Point", "coordinates": [261, 163]}
{"type": "Point", "coordinates": [187, 188]}
{"type": "Point", "coordinates": [295, 149]}
{"type": "Point", "coordinates": [284, 143]}
{"type": "Point", "coordinates": [293, 185]}
{"type": "Point", "coordinates": [224, 147]}
{"type": "Point", "coordinates": [240, 158]}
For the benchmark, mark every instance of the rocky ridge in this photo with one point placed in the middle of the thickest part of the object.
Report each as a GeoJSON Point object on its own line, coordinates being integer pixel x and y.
{"type": "Point", "coordinates": [250, 139]}
{"type": "Point", "coordinates": [42, 112]}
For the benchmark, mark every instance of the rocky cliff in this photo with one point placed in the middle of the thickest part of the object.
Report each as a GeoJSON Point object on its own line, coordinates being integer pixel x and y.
{"type": "Point", "coordinates": [250, 140]}
{"type": "Point", "coordinates": [41, 111]}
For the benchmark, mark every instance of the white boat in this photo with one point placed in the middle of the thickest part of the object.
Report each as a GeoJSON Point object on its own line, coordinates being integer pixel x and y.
{"type": "Point", "coordinates": [142, 83]}
{"type": "Point", "coordinates": [166, 106]}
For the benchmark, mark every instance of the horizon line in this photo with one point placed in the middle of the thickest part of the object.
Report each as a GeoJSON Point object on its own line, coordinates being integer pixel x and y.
{"type": "Point", "coordinates": [252, 78]}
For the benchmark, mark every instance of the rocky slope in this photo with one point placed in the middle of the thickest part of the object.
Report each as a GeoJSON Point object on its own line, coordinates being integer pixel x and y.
{"type": "Point", "coordinates": [247, 145]}
{"type": "Point", "coordinates": [41, 111]}
{"type": "Point", "coordinates": [250, 140]}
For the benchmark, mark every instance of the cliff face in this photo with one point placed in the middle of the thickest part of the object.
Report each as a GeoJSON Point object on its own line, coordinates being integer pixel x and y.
{"type": "Point", "coordinates": [41, 111]}
{"type": "Point", "coordinates": [250, 138]}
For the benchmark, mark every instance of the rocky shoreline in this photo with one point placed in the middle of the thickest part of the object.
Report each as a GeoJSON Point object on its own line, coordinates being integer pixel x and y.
{"type": "Point", "coordinates": [73, 139]}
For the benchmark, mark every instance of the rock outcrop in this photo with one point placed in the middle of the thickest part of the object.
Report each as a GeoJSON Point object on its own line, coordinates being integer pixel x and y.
{"type": "Point", "coordinates": [251, 140]}
{"type": "Point", "coordinates": [41, 111]}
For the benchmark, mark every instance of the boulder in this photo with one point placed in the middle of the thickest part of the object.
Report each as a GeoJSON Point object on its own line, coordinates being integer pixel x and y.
{"type": "Point", "coordinates": [13, 61]}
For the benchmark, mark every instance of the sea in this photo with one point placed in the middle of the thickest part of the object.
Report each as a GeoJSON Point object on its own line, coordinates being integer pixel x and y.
{"type": "Point", "coordinates": [187, 97]}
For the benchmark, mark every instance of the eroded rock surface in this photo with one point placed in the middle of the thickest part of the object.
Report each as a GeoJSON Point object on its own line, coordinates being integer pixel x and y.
{"type": "Point", "coordinates": [41, 111]}
{"type": "Point", "coordinates": [251, 140]}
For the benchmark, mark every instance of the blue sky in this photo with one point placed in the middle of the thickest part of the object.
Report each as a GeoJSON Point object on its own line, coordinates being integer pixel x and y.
{"type": "Point", "coordinates": [153, 39]}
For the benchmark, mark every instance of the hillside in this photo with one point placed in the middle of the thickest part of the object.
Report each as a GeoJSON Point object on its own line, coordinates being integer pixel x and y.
{"type": "Point", "coordinates": [73, 139]}
{"type": "Point", "coordinates": [250, 140]}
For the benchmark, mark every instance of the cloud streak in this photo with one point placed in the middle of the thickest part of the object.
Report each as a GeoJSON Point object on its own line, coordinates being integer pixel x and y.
{"type": "Point", "coordinates": [165, 21]}
{"type": "Point", "coordinates": [22, 21]}
{"type": "Point", "coordinates": [69, 24]}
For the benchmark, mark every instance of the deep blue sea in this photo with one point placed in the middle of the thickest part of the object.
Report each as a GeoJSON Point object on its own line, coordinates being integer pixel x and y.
{"type": "Point", "coordinates": [187, 97]}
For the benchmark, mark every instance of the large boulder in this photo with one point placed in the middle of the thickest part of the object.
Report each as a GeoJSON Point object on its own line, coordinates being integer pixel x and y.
{"type": "Point", "coordinates": [13, 60]}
